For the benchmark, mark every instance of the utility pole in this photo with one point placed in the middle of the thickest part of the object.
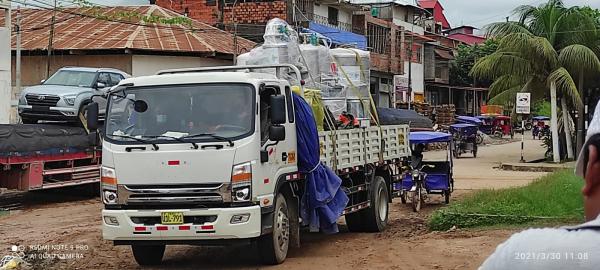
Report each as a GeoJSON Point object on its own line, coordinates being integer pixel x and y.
{"type": "Point", "coordinates": [18, 56]}
{"type": "Point", "coordinates": [235, 47]}
{"type": "Point", "coordinates": [50, 40]}
{"type": "Point", "coordinates": [410, 52]}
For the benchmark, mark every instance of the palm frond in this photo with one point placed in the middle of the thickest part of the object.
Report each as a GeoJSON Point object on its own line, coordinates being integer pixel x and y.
{"type": "Point", "coordinates": [503, 83]}
{"type": "Point", "coordinates": [505, 97]}
{"type": "Point", "coordinates": [544, 51]}
{"type": "Point", "coordinates": [501, 63]}
{"type": "Point", "coordinates": [565, 85]}
{"type": "Point", "coordinates": [500, 29]}
{"type": "Point", "coordinates": [579, 58]}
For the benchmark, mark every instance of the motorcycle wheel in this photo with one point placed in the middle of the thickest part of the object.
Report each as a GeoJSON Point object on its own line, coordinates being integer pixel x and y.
{"type": "Point", "coordinates": [403, 197]}
{"type": "Point", "coordinates": [416, 199]}
{"type": "Point", "coordinates": [479, 139]}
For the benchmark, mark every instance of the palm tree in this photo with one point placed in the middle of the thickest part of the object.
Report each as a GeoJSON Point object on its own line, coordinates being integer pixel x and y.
{"type": "Point", "coordinates": [538, 54]}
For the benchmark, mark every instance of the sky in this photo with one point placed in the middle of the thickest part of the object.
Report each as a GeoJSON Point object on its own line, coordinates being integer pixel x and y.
{"type": "Point", "coordinates": [479, 13]}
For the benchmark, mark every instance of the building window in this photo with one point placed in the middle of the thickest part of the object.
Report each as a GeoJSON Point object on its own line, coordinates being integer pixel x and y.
{"type": "Point", "coordinates": [211, 2]}
{"type": "Point", "coordinates": [378, 38]}
{"type": "Point", "coordinates": [332, 16]}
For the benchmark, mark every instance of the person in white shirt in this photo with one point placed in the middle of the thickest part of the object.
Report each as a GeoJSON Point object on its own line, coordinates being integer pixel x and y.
{"type": "Point", "coordinates": [575, 247]}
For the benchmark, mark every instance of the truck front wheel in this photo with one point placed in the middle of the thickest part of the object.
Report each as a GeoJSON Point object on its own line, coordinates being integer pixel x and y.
{"type": "Point", "coordinates": [148, 255]}
{"type": "Point", "coordinates": [273, 247]}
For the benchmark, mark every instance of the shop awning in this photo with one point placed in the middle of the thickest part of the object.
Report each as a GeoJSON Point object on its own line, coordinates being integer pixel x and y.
{"type": "Point", "coordinates": [338, 36]}
{"type": "Point", "coordinates": [444, 54]}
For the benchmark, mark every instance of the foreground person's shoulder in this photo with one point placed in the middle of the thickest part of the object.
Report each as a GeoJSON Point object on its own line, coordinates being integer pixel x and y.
{"type": "Point", "coordinates": [547, 248]}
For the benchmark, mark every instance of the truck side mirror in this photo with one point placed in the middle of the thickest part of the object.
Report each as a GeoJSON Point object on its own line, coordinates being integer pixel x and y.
{"type": "Point", "coordinates": [92, 116]}
{"type": "Point", "coordinates": [277, 109]}
{"type": "Point", "coordinates": [276, 133]}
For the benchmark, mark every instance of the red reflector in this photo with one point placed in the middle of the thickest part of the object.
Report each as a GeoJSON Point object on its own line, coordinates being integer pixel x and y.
{"type": "Point", "coordinates": [184, 228]}
{"type": "Point", "coordinates": [162, 228]}
{"type": "Point", "coordinates": [266, 181]}
{"type": "Point", "coordinates": [173, 162]}
{"type": "Point", "coordinates": [207, 227]}
{"type": "Point", "coordinates": [139, 229]}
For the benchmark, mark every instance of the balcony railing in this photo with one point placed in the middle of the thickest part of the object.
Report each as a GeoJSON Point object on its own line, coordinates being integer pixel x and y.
{"type": "Point", "coordinates": [305, 16]}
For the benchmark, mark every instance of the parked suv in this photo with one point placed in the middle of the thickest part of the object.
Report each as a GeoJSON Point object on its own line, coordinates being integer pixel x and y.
{"type": "Point", "coordinates": [63, 95]}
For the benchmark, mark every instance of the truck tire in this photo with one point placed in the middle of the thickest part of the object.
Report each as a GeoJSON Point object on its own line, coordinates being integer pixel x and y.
{"type": "Point", "coordinates": [273, 247]}
{"type": "Point", "coordinates": [148, 255]}
{"type": "Point", "coordinates": [375, 218]}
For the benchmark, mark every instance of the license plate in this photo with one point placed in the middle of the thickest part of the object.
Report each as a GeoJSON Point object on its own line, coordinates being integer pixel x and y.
{"type": "Point", "coordinates": [40, 108]}
{"type": "Point", "coordinates": [171, 218]}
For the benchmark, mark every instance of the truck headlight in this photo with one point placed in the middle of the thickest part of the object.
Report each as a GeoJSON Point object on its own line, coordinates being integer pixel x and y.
{"type": "Point", "coordinates": [108, 178]}
{"type": "Point", "coordinates": [241, 182]}
{"type": "Point", "coordinates": [70, 99]}
{"type": "Point", "coordinates": [108, 181]}
{"type": "Point", "coordinates": [109, 196]}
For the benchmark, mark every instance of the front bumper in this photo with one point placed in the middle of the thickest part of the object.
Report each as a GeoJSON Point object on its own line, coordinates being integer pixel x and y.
{"type": "Point", "coordinates": [221, 228]}
{"type": "Point", "coordinates": [47, 113]}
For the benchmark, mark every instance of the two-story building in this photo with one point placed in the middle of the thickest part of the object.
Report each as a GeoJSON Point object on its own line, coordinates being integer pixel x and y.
{"type": "Point", "coordinates": [409, 16]}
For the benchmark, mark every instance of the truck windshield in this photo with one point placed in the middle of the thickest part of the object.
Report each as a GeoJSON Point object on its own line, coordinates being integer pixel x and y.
{"type": "Point", "coordinates": [218, 112]}
{"type": "Point", "coordinates": [72, 78]}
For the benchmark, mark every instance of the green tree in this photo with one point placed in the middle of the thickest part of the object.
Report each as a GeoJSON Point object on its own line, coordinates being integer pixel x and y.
{"type": "Point", "coordinates": [465, 59]}
{"type": "Point", "coordinates": [541, 53]}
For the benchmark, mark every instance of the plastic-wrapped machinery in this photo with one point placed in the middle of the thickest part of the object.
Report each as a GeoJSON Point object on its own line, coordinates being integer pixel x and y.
{"type": "Point", "coordinates": [354, 64]}
{"type": "Point", "coordinates": [280, 47]}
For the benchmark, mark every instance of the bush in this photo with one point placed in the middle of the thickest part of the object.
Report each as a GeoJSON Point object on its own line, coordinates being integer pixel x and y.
{"type": "Point", "coordinates": [542, 108]}
{"type": "Point", "coordinates": [555, 197]}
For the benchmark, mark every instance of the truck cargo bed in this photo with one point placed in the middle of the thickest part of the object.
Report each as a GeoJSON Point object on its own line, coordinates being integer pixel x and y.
{"type": "Point", "coordinates": [23, 140]}
{"type": "Point", "coordinates": [47, 156]}
{"type": "Point", "coordinates": [349, 148]}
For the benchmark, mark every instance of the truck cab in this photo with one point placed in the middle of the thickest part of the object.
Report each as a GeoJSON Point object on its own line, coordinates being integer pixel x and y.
{"type": "Point", "coordinates": [198, 158]}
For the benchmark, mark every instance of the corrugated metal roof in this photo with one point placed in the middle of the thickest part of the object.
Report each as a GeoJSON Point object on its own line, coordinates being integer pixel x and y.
{"type": "Point", "coordinates": [82, 29]}
{"type": "Point", "coordinates": [466, 38]}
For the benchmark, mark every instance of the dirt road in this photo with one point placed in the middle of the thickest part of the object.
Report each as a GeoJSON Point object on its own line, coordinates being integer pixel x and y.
{"type": "Point", "coordinates": [406, 244]}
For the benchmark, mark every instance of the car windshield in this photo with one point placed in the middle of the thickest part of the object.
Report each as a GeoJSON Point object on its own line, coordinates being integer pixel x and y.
{"type": "Point", "coordinates": [201, 112]}
{"type": "Point", "coordinates": [72, 78]}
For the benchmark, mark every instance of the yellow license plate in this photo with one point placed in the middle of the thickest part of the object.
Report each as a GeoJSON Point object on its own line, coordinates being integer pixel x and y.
{"type": "Point", "coordinates": [171, 218]}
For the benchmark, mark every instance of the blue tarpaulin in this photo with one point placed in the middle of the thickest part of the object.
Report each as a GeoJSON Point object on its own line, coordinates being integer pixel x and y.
{"type": "Point", "coordinates": [323, 200]}
{"type": "Point", "coordinates": [429, 137]}
{"type": "Point", "coordinates": [338, 36]}
{"type": "Point", "coordinates": [462, 125]}
{"type": "Point", "coordinates": [469, 120]}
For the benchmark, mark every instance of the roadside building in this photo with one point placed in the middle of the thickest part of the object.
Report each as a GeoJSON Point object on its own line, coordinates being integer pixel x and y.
{"type": "Point", "coordinates": [436, 22]}
{"type": "Point", "coordinates": [406, 14]}
{"type": "Point", "coordinates": [102, 37]}
{"type": "Point", "coordinates": [465, 34]}
{"type": "Point", "coordinates": [438, 57]}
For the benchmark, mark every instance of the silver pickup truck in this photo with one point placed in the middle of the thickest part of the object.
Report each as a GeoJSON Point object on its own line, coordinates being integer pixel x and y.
{"type": "Point", "coordinates": [62, 96]}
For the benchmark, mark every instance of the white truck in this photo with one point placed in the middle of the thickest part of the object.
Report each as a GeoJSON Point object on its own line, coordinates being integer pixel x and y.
{"type": "Point", "coordinates": [208, 156]}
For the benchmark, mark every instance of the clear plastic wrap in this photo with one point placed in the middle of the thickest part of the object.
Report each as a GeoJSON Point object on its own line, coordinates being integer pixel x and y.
{"type": "Point", "coordinates": [354, 64]}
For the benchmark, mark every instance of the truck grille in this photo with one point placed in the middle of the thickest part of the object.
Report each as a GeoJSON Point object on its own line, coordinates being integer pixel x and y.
{"type": "Point", "coordinates": [42, 100]}
{"type": "Point", "coordinates": [196, 220]}
{"type": "Point", "coordinates": [174, 194]}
